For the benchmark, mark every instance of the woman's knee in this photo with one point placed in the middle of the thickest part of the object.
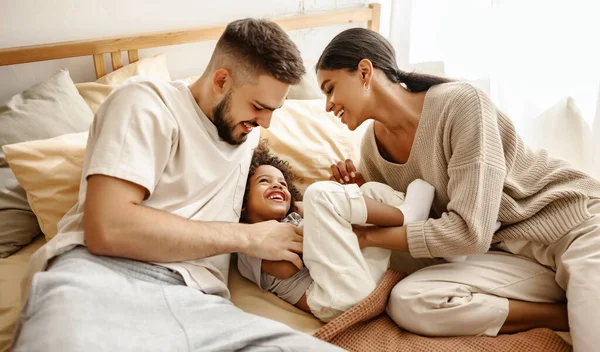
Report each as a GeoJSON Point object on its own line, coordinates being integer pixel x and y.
{"type": "Point", "coordinates": [407, 306]}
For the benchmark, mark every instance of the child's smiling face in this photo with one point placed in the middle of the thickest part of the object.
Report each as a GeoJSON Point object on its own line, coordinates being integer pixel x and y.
{"type": "Point", "coordinates": [268, 195]}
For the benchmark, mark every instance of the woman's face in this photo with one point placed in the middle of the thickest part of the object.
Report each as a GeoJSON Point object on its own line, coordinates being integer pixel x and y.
{"type": "Point", "coordinates": [268, 195]}
{"type": "Point", "coordinates": [346, 95]}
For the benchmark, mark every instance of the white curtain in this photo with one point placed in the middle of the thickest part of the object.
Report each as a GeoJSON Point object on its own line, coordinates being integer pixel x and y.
{"type": "Point", "coordinates": [538, 60]}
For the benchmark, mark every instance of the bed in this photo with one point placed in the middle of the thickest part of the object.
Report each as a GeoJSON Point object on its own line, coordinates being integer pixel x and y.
{"type": "Point", "coordinates": [50, 192]}
{"type": "Point", "coordinates": [48, 166]}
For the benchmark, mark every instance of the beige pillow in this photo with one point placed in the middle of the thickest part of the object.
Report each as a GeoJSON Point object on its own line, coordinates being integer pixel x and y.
{"type": "Point", "coordinates": [94, 93]}
{"type": "Point", "coordinates": [50, 171]}
{"type": "Point", "coordinates": [308, 88]}
{"type": "Point", "coordinates": [45, 110]}
{"type": "Point", "coordinates": [311, 139]}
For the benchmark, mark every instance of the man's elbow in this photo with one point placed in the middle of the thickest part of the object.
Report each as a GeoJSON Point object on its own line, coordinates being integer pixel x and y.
{"type": "Point", "coordinates": [98, 238]}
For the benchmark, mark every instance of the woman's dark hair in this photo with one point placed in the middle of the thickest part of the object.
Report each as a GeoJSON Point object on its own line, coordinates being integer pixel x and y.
{"type": "Point", "coordinates": [262, 156]}
{"type": "Point", "coordinates": [352, 45]}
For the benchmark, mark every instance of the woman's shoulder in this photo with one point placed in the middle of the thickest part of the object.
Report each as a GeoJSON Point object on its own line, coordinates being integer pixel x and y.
{"type": "Point", "coordinates": [460, 99]}
{"type": "Point", "coordinates": [455, 90]}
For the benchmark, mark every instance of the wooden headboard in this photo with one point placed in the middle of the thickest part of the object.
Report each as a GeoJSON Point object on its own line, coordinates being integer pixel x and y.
{"type": "Point", "coordinates": [115, 46]}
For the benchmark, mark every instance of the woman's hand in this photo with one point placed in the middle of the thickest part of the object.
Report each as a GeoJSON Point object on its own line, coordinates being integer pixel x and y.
{"type": "Point", "coordinates": [362, 232]}
{"type": "Point", "coordinates": [345, 172]}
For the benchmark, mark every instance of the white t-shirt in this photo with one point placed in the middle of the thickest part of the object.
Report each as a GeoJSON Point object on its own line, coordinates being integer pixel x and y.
{"type": "Point", "coordinates": [153, 133]}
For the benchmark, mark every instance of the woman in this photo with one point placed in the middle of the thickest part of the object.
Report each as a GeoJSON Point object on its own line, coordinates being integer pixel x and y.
{"type": "Point", "coordinates": [528, 224]}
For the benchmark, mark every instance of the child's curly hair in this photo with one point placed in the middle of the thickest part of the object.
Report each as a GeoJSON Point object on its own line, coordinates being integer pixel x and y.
{"type": "Point", "coordinates": [262, 156]}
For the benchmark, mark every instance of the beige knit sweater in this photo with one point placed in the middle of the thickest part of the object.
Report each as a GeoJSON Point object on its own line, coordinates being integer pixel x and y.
{"type": "Point", "coordinates": [482, 173]}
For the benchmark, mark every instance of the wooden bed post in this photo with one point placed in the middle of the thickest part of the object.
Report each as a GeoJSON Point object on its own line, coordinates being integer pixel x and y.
{"type": "Point", "coordinates": [373, 24]}
{"type": "Point", "coordinates": [116, 59]}
{"type": "Point", "coordinates": [99, 65]}
{"type": "Point", "coordinates": [132, 55]}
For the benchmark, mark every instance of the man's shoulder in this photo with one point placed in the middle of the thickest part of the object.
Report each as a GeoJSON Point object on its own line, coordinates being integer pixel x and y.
{"type": "Point", "coordinates": [151, 93]}
{"type": "Point", "coordinates": [147, 86]}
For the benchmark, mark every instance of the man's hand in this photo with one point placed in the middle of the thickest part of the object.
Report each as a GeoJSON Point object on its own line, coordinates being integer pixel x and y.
{"type": "Point", "coordinates": [272, 240]}
{"type": "Point", "coordinates": [345, 172]}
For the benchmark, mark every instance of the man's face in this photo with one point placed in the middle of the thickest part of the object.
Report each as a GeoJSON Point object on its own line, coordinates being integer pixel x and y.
{"type": "Point", "coordinates": [247, 106]}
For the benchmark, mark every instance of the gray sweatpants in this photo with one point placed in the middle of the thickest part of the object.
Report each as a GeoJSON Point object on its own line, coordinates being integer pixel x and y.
{"type": "Point", "coordinates": [85, 302]}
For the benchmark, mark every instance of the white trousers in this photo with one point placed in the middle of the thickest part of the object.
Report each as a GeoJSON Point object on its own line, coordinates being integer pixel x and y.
{"type": "Point", "coordinates": [343, 274]}
{"type": "Point", "coordinates": [471, 297]}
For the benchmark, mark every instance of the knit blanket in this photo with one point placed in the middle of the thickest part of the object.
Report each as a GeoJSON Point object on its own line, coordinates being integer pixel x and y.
{"type": "Point", "coordinates": [367, 327]}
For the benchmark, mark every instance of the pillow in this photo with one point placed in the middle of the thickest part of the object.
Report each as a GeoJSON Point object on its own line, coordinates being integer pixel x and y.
{"type": "Point", "coordinates": [94, 93]}
{"type": "Point", "coordinates": [308, 88]}
{"type": "Point", "coordinates": [311, 139]}
{"type": "Point", "coordinates": [563, 132]}
{"type": "Point", "coordinates": [50, 172]}
{"type": "Point", "coordinates": [48, 109]}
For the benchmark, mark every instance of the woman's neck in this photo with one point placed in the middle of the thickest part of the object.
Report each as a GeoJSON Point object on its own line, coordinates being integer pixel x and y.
{"type": "Point", "coordinates": [397, 109]}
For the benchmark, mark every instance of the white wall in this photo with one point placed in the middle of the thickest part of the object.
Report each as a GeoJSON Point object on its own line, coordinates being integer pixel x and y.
{"type": "Point", "coordinates": [30, 22]}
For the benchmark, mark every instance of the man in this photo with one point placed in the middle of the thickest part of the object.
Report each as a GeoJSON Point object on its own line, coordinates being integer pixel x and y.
{"type": "Point", "coordinates": [163, 182]}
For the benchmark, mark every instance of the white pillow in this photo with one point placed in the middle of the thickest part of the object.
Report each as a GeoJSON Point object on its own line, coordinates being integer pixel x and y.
{"type": "Point", "coordinates": [563, 132]}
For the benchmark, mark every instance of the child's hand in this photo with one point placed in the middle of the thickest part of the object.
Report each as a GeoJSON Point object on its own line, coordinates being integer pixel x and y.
{"type": "Point", "coordinates": [345, 172]}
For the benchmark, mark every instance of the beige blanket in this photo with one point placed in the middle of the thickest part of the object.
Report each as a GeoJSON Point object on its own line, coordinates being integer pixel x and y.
{"type": "Point", "coordinates": [366, 327]}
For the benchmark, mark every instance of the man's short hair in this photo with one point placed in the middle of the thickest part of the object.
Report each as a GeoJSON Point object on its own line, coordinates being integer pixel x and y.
{"type": "Point", "coordinates": [261, 47]}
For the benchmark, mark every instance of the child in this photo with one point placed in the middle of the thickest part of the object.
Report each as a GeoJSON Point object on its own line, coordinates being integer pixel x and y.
{"type": "Point", "coordinates": [337, 273]}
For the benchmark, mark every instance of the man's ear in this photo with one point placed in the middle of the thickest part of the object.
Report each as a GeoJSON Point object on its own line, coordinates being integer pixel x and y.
{"type": "Point", "coordinates": [221, 80]}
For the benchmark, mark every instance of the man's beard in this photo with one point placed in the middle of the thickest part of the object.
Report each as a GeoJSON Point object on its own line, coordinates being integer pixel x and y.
{"type": "Point", "coordinates": [223, 121]}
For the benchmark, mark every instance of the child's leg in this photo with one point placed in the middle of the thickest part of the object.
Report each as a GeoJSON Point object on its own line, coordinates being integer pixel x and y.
{"type": "Point", "coordinates": [331, 252]}
{"type": "Point", "coordinates": [382, 206]}
{"type": "Point", "coordinates": [343, 274]}
{"type": "Point", "coordinates": [382, 193]}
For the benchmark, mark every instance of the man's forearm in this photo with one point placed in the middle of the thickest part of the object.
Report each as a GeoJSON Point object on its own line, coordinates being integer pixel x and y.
{"type": "Point", "coordinates": [142, 233]}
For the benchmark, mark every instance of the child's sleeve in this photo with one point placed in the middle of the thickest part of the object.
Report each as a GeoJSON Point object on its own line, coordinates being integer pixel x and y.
{"type": "Point", "coordinates": [250, 268]}
{"type": "Point", "coordinates": [290, 290]}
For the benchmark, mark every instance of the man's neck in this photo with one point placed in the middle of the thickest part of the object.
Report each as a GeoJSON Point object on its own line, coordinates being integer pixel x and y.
{"type": "Point", "coordinates": [203, 95]}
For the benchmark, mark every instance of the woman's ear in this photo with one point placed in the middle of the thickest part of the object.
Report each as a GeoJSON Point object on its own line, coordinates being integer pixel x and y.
{"type": "Point", "coordinates": [365, 70]}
